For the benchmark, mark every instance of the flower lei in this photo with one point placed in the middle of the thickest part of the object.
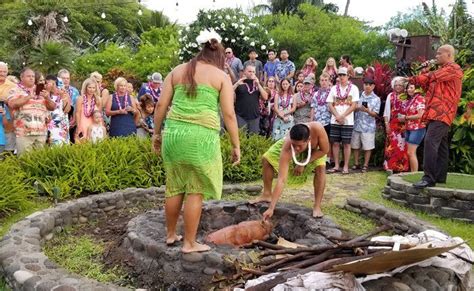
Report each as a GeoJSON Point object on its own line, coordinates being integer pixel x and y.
{"type": "Point", "coordinates": [286, 100]}
{"type": "Point", "coordinates": [125, 103]}
{"type": "Point", "coordinates": [319, 96]}
{"type": "Point", "coordinates": [88, 112]}
{"type": "Point", "coordinates": [254, 88]}
{"type": "Point", "coordinates": [293, 153]}
{"type": "Point", "coordinates": [155, 95]}
{"type": "Point", "coordinates": [303, 98]}
{"type": "Point", "coordinates": [338, 91]}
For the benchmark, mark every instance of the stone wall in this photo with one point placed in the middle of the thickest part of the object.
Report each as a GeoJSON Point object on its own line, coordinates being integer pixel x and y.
{"type": "Point", "coordinates": [451, 203]}
{"type": "Point", "coordinates": [402, 223]}
{"type": "Point", "coordinates": [26, 267]}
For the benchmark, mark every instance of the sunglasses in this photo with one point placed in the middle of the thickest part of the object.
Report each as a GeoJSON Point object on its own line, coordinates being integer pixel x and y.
{"type": "Point", "coordinates": [228, 52]}
{"type": "Point", "coordinates": [342, 75]}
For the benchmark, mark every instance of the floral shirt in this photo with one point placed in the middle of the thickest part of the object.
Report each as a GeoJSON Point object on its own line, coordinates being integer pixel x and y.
{"type": "Point", "coordinates": [321, 109]}
{"type": "Point", "coordinates": [443, 90]}
{"type": "Point", "coordinates": [413, 107]}
{"type": "Point", "coordinates": [363, 121]}
{"type": "Point", "coordinates": [58, 126]}
{"type": "Point", "coordinates": [30, 119]}
{"type": "Point", "coordinates": [284, 68]}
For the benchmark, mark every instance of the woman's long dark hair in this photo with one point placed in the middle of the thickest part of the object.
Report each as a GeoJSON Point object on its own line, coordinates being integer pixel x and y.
{"type": "Point", "coordinates": [212, 53]}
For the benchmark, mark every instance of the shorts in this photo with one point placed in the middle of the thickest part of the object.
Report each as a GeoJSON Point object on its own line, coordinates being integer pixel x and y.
{"type": "Point", "coordinates": [327, 128]}
{"type": "Point", "coordinates": [11, 141]}
{"type": "Point", "coordinates": [251, 126]}
{"type": "Point", "coordinates": [364, 140]}
{"type": "Point", "coordinates": [341, 133]}
{"type": "Point", "coordinates": [26, 143]}
{"type": "Point", "coordinates": [415, 137]}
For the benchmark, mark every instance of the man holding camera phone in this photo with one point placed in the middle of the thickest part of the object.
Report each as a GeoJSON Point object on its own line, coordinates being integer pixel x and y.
{"type": "Point", "coordinates": [363, 135]}
{"type": "Point", "coordinates": [31, 106]}
{"type": "Point", "coordinates": [248, 91]}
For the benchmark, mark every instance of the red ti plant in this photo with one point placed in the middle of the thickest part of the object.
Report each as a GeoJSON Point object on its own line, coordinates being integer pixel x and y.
{"type": "Point", "coordinates": [382, 76]}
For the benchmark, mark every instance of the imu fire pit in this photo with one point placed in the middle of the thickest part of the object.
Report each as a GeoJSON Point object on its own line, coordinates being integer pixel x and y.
{"type": "Point", "coordinates": [167, 266]}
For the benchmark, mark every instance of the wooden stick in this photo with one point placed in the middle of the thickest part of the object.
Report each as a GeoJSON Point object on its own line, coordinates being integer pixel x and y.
{"type": "Point", "coordinates": [254, 271]}
{"type": "Point", "coordinates": [268, 245]}
{"type": "Point", "coordinates": [282, 277]}
{"type": "Point", "coordinates": [326, 248]}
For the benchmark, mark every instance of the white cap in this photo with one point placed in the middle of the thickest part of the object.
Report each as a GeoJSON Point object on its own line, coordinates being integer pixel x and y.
{"type": "Point", "coordinates": [342, 70]}
{"type": "Point", "coordinates": [156, 78]}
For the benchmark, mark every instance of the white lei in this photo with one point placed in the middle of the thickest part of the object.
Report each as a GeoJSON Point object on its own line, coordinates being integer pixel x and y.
{"type": "Point", "coordinates": [307, 158]}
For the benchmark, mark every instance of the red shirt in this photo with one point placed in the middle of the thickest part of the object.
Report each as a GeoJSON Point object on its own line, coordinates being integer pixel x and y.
{"type": "Point", "coordinates": [443, 90]}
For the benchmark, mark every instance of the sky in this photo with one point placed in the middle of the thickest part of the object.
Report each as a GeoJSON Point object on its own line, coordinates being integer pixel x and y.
{"type": "Point", "coordinates": [376, 12]}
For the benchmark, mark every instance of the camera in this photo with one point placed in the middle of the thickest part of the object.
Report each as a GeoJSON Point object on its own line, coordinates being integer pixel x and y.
{"type": "Point", "coordinates": [365, 104]}
{"type": "Point", "coordinates": [59, 83]}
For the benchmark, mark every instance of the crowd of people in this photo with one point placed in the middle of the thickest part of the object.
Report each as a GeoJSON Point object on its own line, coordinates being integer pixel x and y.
{"type": "Point", "coordinates": [36, 111]}
{"type": "Point", "coordinates": [271, 98]}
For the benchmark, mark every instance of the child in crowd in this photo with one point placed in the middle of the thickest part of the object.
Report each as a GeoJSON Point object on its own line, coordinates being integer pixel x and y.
{"type": "Point", "coordinates": [415, 127]}
{"type": "Point", "coordinates": [147, 107]}
{"type": "Point", "coordinates": [363, 136]}
{"type": "Point", "coordinates": [97, 131]}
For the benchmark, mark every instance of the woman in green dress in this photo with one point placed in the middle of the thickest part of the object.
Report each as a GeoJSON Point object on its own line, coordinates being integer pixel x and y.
{"type": "Point", "coordinates": [190, 142]}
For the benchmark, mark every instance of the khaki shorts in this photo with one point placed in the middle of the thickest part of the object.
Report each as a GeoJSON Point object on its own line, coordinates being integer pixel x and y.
{"type": "Point", "coordinates": [366, 141]}
{"type": "Point", "coordinates": [26, 143]}
{"type": "Point", "coordinates": [11, 141]}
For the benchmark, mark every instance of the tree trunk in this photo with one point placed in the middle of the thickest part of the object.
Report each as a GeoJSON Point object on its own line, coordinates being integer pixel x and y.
{"type": "Point", "coordinates": [347, 7]}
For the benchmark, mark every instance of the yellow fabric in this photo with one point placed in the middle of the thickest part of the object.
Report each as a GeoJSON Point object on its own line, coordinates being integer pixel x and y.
{"type": "Point", "coordinates": [5, 89]}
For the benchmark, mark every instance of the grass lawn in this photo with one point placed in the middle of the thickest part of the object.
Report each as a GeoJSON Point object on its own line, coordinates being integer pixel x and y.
{"type": "Point", "coordinates": [454, 181]}
{"type": "Point", "coordinates": [8, 221]}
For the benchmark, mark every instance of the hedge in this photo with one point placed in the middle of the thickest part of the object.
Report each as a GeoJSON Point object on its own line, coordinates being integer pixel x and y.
{"type": "Point", "coordinates": [79, 170]}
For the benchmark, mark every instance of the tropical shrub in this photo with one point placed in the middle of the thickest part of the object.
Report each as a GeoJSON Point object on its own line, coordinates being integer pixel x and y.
{"type": "Point", "coordinates": [83, 169]}
{"type": "Point", "coordinates": [237, 29]}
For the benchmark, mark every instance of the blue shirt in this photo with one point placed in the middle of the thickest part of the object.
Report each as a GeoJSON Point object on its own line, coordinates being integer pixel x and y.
{"type": "Point", "coordinates": [147, 89]}
{"type": "Point", "coordinates": [363, 122]}
{"type": "Point", "coordinates": [74, 94]}
{"type": "Point", "coordinates": [321, 108]}
{"type": "Point", "coordinates": [3, 140]}
{"type": "Point", "coordinates": [270, 68]}
{"type": "Point", "coordinates": [283, 69]}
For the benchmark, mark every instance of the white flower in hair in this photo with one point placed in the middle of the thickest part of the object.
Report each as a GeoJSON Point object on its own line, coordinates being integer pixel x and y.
{"type": "Point", "coordinates": [206, 36]}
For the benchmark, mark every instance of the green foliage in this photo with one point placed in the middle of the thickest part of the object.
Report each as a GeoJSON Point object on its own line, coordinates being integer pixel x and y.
{"type": "Point", "coordinates": [15, 195]}
{"type": "Point", "coordinates": [77, 170]}
{"type": "Point", "coordinates": [322, 35]}
{"type": "Point", "coordinates": [157, 52]}
{"type": "Point", "coordinates": [237, 29]}
{"type": "Point", "coordinates": [82, 255]}
{"type": "Point", "coordinates": [290, 7]}
{"type": "Point", "coordinates": [252, 148]}
{"type": "Point", "coordinates": [51, 56]}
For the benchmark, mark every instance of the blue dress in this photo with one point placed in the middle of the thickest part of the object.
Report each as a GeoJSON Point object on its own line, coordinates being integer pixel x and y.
{"type": "Point", "coordinates": [122, 124]}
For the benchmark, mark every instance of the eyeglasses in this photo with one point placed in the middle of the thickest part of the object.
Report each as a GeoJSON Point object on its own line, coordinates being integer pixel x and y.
{"type": "Point", "coordinates": [341, 75]}
{"type": "Point", "coordinates": [271, 81]}
{"type": "Point", "coordinates": [228, 52]}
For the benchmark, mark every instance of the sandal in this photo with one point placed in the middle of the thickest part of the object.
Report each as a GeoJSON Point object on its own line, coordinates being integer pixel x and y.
{"type": "Point", "coordinates": [345, 172]}
{"type": "Point", "coordinates": [333, 170]}
{"type": "Point", "coordinates": [365, 169]}
{"type": "Point", "coordinates": [356, 167]}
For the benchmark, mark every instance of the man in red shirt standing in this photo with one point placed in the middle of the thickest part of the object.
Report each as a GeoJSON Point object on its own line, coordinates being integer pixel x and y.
{"type": "Point", "coordinates": [443, 92]}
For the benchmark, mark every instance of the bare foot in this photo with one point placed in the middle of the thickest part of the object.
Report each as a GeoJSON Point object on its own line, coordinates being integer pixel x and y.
{"type": "Point", "coordinates": [195, 247]}
{"type": "Point", "coordinates": [317, 213]}
{"type": "Point", "coordinates": [261, 198]}
{"type": "Point", "coordinates": [170, 240]}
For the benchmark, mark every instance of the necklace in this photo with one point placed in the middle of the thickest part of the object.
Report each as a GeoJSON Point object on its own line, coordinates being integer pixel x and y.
{"type": "Point", "coordinates": [88, 112]}
{"type": "Point", "coordinates": [155, 95]}
{"type": "Point", "coordinates": [285, 102]}
{"type": "Point", "coordinates": [125, 102]}
{"type": "Point", "coordinates": [338, 91]}
{"type": "Point", "coordinates": [307, 158]}
{"type": "Point", "coordinates": [254, 88]}
{"type": "Point", "coordinates": [321, 96]}
{"type": "Point", "coordinates": [303, 97]}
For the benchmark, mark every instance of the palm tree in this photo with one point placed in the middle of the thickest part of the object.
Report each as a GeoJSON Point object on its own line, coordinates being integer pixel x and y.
{"type": "Point", "coordinates": [51, 56]}
{"type": "Point", "coordinates": [346, 10]}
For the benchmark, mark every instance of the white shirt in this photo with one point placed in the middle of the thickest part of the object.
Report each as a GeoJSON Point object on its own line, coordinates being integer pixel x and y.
{"type": "Point", "coordinates": [343, 106]}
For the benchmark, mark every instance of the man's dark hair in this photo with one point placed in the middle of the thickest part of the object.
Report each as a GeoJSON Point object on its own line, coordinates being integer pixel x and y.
{"type": "Point", "coordinates": [284, 49]}
{"type": "Point", "coordinates": [299, 132]}
{"type": "Point", "coordinates": [347, 58]}
{"type": "Point", "coordinates": [51, 78]}
{"type": "Point", "coordinates": [252, 50]}
{"type": "Point", "coordinates": [272, 50]}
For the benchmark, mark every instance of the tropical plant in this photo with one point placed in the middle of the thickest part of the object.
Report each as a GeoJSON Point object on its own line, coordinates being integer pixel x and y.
{"type": "Point", "coordinates": [238, 31]}
{"type": "Point", "coordinates": [290, 7]}
{"type": "Point", "coordinates": [382, 76]}
{"type": "Point", "coordinates": [51, 56]}
{"type": "Point", "coordinates": [322, 35]}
